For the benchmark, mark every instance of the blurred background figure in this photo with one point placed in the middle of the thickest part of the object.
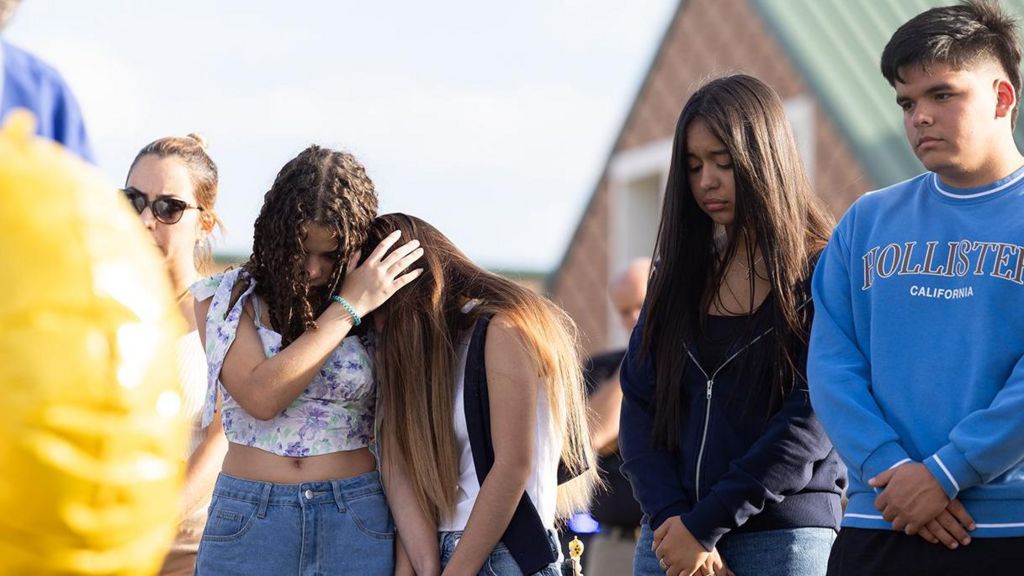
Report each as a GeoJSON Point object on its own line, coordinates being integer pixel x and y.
{"type": "Point", "coordinates": [92, 433]}
{"type": "Point", "coordinates": [173, 185]}
{"type": "Point", "coordinates": [609, 550]}
{"type": "Point", "coordinates": [28, 82]}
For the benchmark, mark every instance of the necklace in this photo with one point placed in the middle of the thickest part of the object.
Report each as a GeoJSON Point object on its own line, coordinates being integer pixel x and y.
{"type": "Point", "coordinates": [181, 297]}
{"type": "Point", "coordinates": [752, 270]}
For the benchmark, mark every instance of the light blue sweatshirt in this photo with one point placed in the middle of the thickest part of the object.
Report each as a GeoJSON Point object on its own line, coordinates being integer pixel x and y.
{"type": "Point", "coordinates": [28, 82]}
{"type": "Point", "coordinates": [917, 347]}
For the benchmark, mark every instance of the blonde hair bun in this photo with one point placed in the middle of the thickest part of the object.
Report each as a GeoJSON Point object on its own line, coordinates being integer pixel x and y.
{"type": "Point", "coordinates": [199, 140]}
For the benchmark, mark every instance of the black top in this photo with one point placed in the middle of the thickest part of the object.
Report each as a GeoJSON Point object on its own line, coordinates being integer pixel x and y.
{"type": "Point", "coordinates": [722, 336]}
{"type": "Point", "coordinates": [614, 506]}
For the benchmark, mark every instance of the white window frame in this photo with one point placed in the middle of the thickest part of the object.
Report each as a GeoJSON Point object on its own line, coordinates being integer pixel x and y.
{"type": "Point", "coordinates": [800, 110]}
{"type": "Point", "coordinates": [626, 171]}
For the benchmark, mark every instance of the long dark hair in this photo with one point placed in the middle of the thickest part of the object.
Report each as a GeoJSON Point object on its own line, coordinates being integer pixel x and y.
{"type": "Point", "coordinates": [775, 210]}
{"type": "Point", "coordinates": [416, 363]}
{"type": "Point", "coordinates": [319, 186]}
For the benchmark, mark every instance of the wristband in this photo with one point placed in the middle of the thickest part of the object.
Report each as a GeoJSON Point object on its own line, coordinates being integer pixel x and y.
{"type": "Point", "coordinates": [356, 320]}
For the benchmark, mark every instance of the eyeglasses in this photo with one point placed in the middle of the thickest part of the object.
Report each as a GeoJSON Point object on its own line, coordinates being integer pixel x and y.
{"type": "Point", "coordinates": [166, 209]}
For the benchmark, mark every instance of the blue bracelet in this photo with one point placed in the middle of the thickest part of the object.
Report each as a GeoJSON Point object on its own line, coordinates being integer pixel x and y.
{"type": "Point", "coordinates": [356, 320]}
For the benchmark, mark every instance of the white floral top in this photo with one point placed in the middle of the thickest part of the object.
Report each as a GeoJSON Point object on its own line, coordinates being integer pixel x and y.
{"type": "Point", "coordinates": [334, 413]}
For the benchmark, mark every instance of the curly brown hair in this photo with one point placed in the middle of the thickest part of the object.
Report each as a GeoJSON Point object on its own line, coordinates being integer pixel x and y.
{"type": "Point", "coordinates": [319, 186]}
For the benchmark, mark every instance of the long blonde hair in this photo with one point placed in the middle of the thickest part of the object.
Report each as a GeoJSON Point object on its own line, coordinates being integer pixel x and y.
{"type": "Point", "coordinates": [416, 359]}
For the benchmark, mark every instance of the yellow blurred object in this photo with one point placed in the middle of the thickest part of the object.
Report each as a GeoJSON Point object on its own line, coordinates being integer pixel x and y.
{"type": "Point", "coordinates": [575, 548]}
{"type": "Point", "coordinates": [91, 434]}
{"type": "Point", "coordinates": [575, 553]}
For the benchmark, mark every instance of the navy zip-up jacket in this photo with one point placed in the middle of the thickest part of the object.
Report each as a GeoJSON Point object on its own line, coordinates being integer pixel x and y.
{"type": "Point", "coordinates": [753, 473]}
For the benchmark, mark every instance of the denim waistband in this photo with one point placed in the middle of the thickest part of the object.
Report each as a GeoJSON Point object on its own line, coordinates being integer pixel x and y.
{"type": "Point", "coordinates": [302, 494]}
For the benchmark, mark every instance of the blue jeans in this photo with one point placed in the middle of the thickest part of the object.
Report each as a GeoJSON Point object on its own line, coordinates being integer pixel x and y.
{"type": "Point", "coordinates": [500, 562]}
{"type": "Point", "coordinates": [308, 529]}
{"type": "Point", "coordinates": [789, 552]}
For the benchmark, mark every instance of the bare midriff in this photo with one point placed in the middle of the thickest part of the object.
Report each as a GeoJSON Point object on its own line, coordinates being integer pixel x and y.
{"type": "Point", "coordinates": [255, 464]}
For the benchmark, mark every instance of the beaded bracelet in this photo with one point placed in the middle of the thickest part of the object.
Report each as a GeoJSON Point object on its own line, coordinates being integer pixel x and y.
{"type": "Point", "coordinates": [356, 320]}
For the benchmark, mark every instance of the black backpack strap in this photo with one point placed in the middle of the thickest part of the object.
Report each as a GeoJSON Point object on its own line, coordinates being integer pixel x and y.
{"type": "Point", "coordinates": [476, 401]}
{"type": "Point", "coordinates": [526, 537]}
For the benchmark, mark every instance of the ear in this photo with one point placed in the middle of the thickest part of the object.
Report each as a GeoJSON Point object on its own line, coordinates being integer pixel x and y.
{"type": "Point", "coordinates": [1006, 97]}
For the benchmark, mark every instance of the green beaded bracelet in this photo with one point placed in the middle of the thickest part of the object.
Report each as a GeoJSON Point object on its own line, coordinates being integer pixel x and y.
{"type": "Point", "coordinates": [356, 320]}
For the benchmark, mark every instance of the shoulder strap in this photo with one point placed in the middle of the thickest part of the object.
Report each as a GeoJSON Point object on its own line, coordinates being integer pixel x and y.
{"type": "Point", "coordinates": [257, 311]}
{"type": "Point", "coordinates": [221, 326]}
{"type": "Point", "coordinates": [526, 537]}
{"type": "Point", "coordinates": [476, 401]}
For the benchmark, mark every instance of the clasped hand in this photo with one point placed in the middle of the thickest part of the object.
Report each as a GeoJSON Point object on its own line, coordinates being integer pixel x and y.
{"type": "Point", "coordinates": [680, 554]}
{"type": "Point", "coordinates": [914, 502]}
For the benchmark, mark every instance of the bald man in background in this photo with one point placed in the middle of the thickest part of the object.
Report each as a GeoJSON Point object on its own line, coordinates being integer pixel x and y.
{"type": "Point", "coordinates": [626, 292]}
{"type": "Point", "coordinates": [611, 551]}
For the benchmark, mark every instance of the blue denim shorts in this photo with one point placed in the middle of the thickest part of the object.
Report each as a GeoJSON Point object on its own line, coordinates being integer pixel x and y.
{"type": "Point", "coordinates": [313, 528]}
{"type": "Point", "coordinates": [500, 562]}
{"type": "Point", "coordinates": [787, 552]}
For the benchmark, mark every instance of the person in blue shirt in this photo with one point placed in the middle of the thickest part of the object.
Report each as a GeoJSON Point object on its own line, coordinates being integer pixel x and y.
{"type": "Point", "coordinates": [28, 82]}
{"type": "Point", "coordinates": [916, 362]}
{"type": "Point", "coordinates": [726, 458]}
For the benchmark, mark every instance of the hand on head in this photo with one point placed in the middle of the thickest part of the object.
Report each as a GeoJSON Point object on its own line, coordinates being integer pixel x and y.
{"type": "Point", "coordinates": [370, 284]}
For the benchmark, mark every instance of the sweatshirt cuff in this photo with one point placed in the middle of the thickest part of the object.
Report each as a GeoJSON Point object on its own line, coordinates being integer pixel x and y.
{"type": "Point", "coordinates": [709, 521]}
{"type": "Point", "coordinates": [952, 471]}
{"type": "Point", "coordinates": [665, 513]}
{"type": "Point", "coordinates": [883, 458]}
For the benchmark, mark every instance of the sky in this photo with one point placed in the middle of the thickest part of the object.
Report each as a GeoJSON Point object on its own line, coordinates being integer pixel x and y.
{"type": "Point", "coordinates": [490, 120]}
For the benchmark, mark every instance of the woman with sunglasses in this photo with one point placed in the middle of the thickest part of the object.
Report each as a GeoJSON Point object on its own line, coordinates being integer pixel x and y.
{"type": "Point", "coordinates": [172, 183]}
{"type": "Point", "coordinates": [299, 492]}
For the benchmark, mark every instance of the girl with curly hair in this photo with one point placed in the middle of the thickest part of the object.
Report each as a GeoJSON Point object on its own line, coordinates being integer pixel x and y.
{"type": "Point", "coordinates": [299, 492]}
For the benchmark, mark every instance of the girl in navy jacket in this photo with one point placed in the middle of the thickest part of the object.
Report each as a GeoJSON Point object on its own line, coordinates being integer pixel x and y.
{"type": "Point", "coordinates": [732, 469]}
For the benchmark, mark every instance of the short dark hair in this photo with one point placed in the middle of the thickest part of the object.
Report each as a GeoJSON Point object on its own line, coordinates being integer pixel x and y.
{"type": "Point", "coordinates": [957, 36]}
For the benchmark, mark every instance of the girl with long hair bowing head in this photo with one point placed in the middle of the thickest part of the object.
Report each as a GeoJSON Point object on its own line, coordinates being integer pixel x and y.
{"type": "Point", "coordinates": [732, 470]}
{"type": "Point", "coordinates": [299, 492]}
{"type": "Point", "coordinates": [172, 183]}
{"type": "Point", "coordinates": [482, 415]}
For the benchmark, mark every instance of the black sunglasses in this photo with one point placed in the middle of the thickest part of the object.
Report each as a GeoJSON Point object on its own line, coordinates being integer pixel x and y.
{"type": "Point", "coordinates": [166, 209]}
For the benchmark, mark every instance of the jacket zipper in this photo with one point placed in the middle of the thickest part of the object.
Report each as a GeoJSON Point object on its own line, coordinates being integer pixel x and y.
{"type": "Point", "coordinates": [708, 394]}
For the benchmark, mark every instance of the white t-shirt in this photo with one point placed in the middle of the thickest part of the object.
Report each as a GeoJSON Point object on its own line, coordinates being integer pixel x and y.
{"type": "Point", "coordinates": [192, 371]}
{"type": "Point", "coordinates": [542, 486]}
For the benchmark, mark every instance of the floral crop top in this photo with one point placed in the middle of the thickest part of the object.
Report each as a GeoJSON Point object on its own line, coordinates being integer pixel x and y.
{"type": "Point", "coordinates": [334, 413]}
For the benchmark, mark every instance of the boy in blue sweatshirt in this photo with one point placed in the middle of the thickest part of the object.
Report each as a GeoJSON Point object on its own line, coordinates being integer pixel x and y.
{"type": "Point", "coordinates": [916, 364]}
